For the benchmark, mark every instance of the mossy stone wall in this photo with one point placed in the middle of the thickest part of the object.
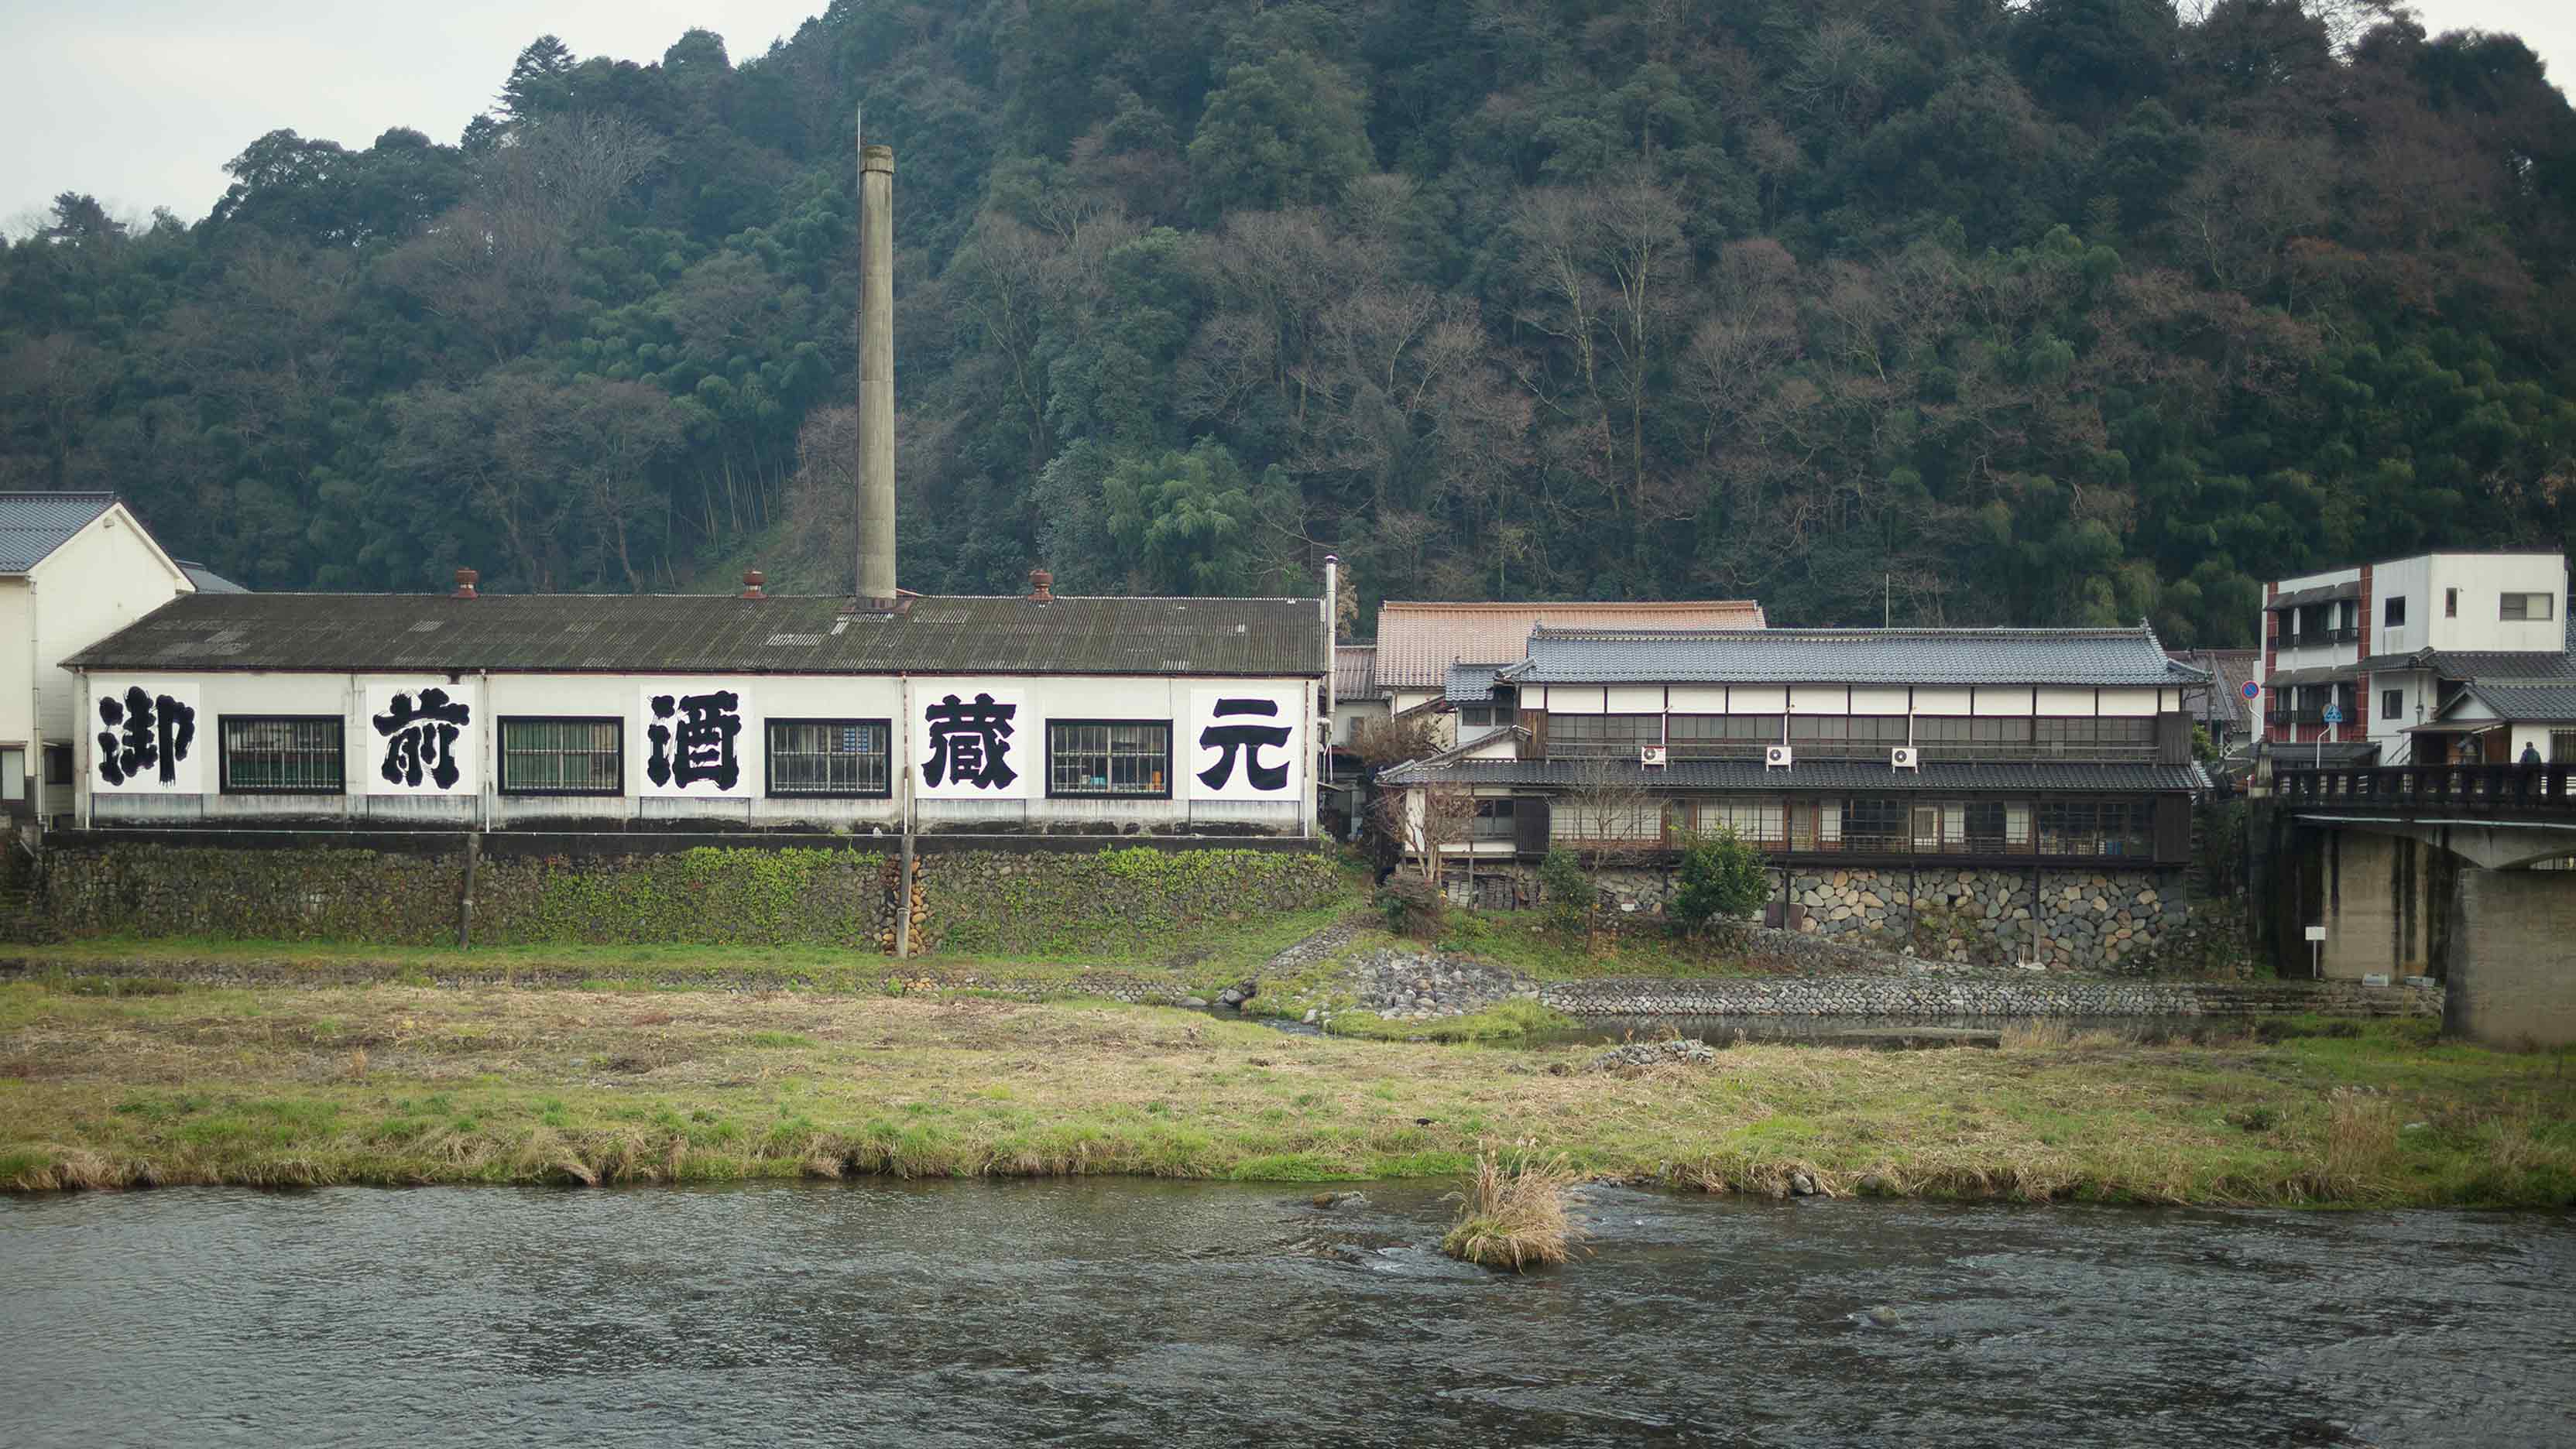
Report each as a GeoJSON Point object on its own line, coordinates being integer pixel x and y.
{"type": "Point", "coordinates": [1022, 904]}
{"type": "Point", "coordinates": [977, 902]}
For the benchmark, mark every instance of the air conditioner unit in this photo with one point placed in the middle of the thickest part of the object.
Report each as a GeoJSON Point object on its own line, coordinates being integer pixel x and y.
{"type": "Point", "coordinates": [1903, 758]}
{"type": "Point", "coordinates": [1650, 756]}
{"type": "Point", "coordinates": [1775, 757]}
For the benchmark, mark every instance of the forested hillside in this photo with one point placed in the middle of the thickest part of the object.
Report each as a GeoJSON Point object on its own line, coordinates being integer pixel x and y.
{"type": "Point", "coordinates": [2071, 311]}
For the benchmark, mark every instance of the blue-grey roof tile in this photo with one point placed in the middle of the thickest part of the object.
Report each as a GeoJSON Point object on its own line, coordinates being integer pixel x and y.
{"type": "Point", "coordinates": [2072, 657]}
{"type": "Point", "coordinates": [33, 525]}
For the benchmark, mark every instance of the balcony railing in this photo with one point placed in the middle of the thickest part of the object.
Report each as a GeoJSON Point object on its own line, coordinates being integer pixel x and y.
{"type": "Point", "coordinates": [2320, 638]}
{"type": "Point", "coordinates": [2498, 790]}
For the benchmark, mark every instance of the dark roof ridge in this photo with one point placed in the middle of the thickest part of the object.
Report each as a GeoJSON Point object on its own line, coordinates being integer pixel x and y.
{"type": "Point", "coordinates": [1872, 631]}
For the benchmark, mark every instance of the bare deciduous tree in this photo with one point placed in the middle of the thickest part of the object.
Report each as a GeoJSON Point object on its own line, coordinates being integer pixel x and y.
{"type": "Point", "coordinates": [1426, 820]}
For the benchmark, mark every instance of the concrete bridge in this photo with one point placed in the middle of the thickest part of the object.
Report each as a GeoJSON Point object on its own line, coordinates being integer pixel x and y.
{"type": "Point", "coordinates": [2465, 873]}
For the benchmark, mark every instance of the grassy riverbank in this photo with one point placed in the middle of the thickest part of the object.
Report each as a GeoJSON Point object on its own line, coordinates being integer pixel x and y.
{"type": "Point", "coordinates": [396, 1084]}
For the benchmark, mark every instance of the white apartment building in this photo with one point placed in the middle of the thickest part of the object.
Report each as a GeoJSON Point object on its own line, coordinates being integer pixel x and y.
{"type": "Point", "coordinates": [2389, 647]}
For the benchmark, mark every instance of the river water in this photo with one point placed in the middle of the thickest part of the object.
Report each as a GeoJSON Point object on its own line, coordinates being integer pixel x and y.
{"type": "Point", "coordinates": [1117, 1312]}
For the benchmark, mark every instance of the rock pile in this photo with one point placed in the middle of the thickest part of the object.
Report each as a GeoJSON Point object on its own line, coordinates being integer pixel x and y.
{"type": "Point", "coordinates": [1417, 986]}
{"type": "Point", "coordinates": [1651, 1054]}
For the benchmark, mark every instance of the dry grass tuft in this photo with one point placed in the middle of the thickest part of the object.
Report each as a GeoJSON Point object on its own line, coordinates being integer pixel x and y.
{"type": "Point", "coordinates": [358, 1065]}
{"type": "Point", "coordinates": [2361, 1146]}
{"type": "Point", "coordinates": [1513, 1217]}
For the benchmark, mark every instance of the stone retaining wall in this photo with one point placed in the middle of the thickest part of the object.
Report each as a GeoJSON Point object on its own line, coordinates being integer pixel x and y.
{"type": "Point", "coordinates": [1034, 903]}
{"type": "Point", "coordinates": [1935, 994]}
{"type": "Point", "coordinates": [2081, 920]}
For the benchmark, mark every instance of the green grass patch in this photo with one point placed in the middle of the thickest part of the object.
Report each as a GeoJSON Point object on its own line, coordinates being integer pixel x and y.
{"type": "Point", "coordinates": [1503, 1021]}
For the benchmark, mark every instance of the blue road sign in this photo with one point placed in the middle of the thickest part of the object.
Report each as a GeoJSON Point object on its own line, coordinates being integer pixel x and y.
{"type": "Point", "coordinates": [2334, 714]}
{"type": "Point", "coordinates": [2252, 689]}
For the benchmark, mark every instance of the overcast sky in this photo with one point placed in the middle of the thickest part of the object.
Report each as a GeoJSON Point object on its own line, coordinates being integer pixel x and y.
{"type": "Point", "coordinates": [141, 102]}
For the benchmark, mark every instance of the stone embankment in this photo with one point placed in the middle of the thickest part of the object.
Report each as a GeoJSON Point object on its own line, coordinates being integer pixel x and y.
{"type": "Point", "coordinates": [1414, 985]}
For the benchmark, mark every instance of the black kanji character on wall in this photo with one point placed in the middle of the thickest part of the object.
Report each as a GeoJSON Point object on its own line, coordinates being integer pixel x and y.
{"type": "Point", "coordinates": [421, 736]}
{"type": "Point", "coordinates": [698, 743]}
{"type": "Point", "coordinates": [145, 732]}
{"type": "Point", "coordinates": [1248, 738]}
{"type": "Point", "coordinates": [970, 743]}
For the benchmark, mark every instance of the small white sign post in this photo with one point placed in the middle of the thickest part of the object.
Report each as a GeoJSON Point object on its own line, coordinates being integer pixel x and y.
{"type": "Point", "coordinates": [2316, 950]}
{"type": "Point", "coordinates": [2333, 717]}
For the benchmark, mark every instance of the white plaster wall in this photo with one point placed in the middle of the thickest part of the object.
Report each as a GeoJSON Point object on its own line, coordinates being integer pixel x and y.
{"type": "Point", "coordinates": [2130, 703]}
{"type": "Point", "coordinates": [768, 697]}
{"type": "Point", "coordinates": [2482, 579]}
{"type": "Point", "coordinates": [2411, 580]}
{"type": "Point", "coordinates": [2066, 701]}
{"type": "Point", "coordinates": [1818, 699]}
{"type": "Point", "coordinates": [103, 578]}
{"type": "Point", "coordinates": [17, 664]}
{"type": "Point", "coordinates": [1635, 699]}
{"type": "Point", "coordinates": [2002, 701]}
{"type": "Point", "coordinates": [1577, 699]}
{"type": "Point", "coordinates": [1757, 699]}
{"type": "Point", "coordinates": [1941, 701]}
{"type": "Point", "coordinates": [1700, 699]}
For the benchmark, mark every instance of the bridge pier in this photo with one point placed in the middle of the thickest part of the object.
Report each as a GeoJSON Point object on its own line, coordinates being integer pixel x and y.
{"type": "Point", "coordinates": [2431, 871]}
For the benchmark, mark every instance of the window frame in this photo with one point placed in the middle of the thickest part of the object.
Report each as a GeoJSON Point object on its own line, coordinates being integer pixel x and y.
{"type": "Point", "coordinates": [769, 758]}
{"type": "Point", "coordinates": [1052, 725]}
{"type": "Point", "coordinates": [1481, 826]}
{"type": "Point", "coordinates": [2548, 607]}
{"type": "Point", "coordinates": [2392, 704]}
{"type": "Point", "coordinates": [2392, 612]}
{"type": "Point", "coordinates": [501, 753]}
{"type": "Point", "coordinates": [224, 753]}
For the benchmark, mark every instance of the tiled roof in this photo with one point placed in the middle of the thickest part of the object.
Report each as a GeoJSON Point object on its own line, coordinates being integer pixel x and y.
{"type": "Point", "coordinates": [2527, 703]}
{"type": "Point", "coordinates": [1862, 776]}
{"type": "Point", "coordinates": [1417, 642]}
{"type": "Point", "coordinates": [207, 580]}
{"type": "Point", "coordinates": [1354, 672]}
{"type": "Point", "coordinates": [33, 525]}
{"type": "Point", "coordinates": [2224, 701]}
{"type": "Point", "coordinates": [2487, 664]}
{"type": "Point", "coordinates": [718, 634]}
{"type": "Point", "coordinates": [1850, 656]}
{"type": "Point", "coordinates": [1470, 683]}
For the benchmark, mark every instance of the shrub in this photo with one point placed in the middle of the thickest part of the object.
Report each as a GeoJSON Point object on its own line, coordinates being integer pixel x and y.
{"type": "Point", "coordinates": [1721, 879]}
{"type": "Point", "coordinates": [1412, 906]}
{"type": "Point", "coordinates": [1511, 1219]}
{"type": "Point", "coordinates": [1566, 892]}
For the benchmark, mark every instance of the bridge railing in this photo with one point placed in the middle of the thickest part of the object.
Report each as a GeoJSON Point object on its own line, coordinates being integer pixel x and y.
{"type": "Point", "coordinates": [2420, 789]}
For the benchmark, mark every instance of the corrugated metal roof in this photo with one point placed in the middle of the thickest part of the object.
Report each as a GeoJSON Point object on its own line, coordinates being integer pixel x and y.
{"type": "Point", "coordinates": [2322, 593]}
{"type": "Point", "coordinates": [1354, 671]}
{"type": "Point", "coordinates": [718, 634]}
{"type": "Point", "coordinates": [1850, 656]}
{"type": "Point", "coordinates": [33, 525]}
{"type": "Point", "coordinates": [1417, 642]}
{"type": "Point", "coordinates": [206, 579]}
{"type": "Point", "coordinates": [1860, 776]}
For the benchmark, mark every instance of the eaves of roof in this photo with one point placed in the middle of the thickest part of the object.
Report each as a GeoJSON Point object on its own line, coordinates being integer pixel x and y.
{"type": "Point", "coordinates": [1863, 776]}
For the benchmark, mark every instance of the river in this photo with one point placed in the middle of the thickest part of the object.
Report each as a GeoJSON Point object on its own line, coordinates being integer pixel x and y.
{"type": "Point", "coordinates": [1119, 1312]}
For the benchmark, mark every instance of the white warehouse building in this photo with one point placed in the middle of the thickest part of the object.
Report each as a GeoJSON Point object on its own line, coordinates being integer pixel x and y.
{"type": "Point", "coordinates": [606, 713]}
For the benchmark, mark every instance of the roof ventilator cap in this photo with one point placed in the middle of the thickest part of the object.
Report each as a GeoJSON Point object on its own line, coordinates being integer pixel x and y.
{"type": "Point", "coordinates": [465, 584]}
{"type": "Point", "coordinates": [1041, 586]}
{"type": "Point", "coordinates": [752, 579]}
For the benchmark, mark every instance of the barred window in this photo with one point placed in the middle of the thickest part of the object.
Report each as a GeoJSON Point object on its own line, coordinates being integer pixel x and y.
{"type": "Point", "coordinates": [2095, 827]}
{"type": "Point", "coordinates": [1709, 736]}
{"type": "Point", "coordinates": [1623, 822]}
{"type": "Point", "coordinates": [2078, 735]}
{"type": "Point", "coordinates": [1601, 736]}
{"type": "Point", "coordinates": [829, 756]}
{"type": "Point", "coordinates": [1109, 757]}
{"type": "Point", "coordinates": [1982, 737]}
{"type": "Point", "coordinates": [1853, 736]}
{"type": "Point", "coordinates": [563, 756]}
{"type": "Point", "coordinates": [283, 755]}
{"type": "Point", "coordinates": [1874, 823]}
{"type": "Point", "coordinates": [1755, 822]}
